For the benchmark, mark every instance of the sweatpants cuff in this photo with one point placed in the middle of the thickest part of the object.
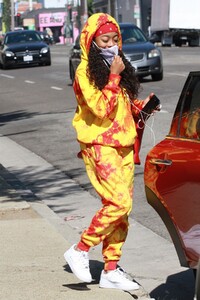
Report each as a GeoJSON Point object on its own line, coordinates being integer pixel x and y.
{"type": "Point", "coordinates": [83, 247]}
{"type": "Point", "coordinates": [110, 265]}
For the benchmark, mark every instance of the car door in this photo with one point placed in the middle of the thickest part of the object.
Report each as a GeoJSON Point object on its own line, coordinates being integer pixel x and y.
{"type": "Point", "coordinates": [172, 173]}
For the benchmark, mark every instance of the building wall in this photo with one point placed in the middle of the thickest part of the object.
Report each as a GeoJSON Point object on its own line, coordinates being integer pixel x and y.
{"type": "Point", "coordinates": [54, 3]}
{"type": "Point", "coordinates": [126, 11]}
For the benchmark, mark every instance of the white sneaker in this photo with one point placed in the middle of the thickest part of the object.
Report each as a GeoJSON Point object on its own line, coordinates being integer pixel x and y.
{"type": "Point", "coordinates": [117, 280]}
{"type": "Point", "coordinates": [79, 263]}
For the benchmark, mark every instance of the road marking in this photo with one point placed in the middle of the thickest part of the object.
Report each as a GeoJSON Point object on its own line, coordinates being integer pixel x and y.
{"type": "Point", "coordinates": [176, 74]}
{"type": "Point", "coordinates": [7, 76]}
{"type": "Point", "coordinates": [56, 88]}
{"type": "Point", "coordinates": [29, 81]}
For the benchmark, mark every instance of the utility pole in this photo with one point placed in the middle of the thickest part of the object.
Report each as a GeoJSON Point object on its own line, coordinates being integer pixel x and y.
{"type": "Point", "coordinates": [109, 7]}
{"type": "Point", "coordinates": [85, 16]}
{"type": "Point", "coordinates": [137, 13]}
{"type": "Point", "coordinates": [84, 12]}
{"type": "Point", "coordinates": [117, 11]}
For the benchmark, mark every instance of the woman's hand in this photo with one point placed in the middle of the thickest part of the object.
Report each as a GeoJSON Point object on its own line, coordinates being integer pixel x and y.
{"type": "Point", "coordinates": [147, 99]}
{"type": "Point", "coordinates": [117, 65]}
{"type": "Point", "coordinates": [158, 108]}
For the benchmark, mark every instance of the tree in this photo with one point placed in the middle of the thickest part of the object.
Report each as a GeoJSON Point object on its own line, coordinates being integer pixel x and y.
{"type": "Point", "coordinates": [6, 19]}
{"type": "Point", "coordinates": [90, 7]}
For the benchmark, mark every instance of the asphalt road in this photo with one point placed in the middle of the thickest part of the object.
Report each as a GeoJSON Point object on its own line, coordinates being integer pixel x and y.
{"type": "Point", "coordinates": [37, 105]}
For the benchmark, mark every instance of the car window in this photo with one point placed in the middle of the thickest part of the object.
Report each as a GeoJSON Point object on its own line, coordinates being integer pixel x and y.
{"type": "Point", "coordinates": [190, 120]}
{"type": "Point", "coordinates": [132, 35]}
{"type": "Point", "coordinates": [186, 121]}
{"type": "Point", "coordinates": [22, 37]}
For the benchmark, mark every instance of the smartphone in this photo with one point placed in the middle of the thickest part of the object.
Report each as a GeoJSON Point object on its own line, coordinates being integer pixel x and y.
{"type": "Point", "coordinates": [151, 105]}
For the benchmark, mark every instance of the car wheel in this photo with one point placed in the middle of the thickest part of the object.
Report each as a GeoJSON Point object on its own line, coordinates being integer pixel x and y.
{"type": "Point", "coordinates": [178, 43]}
{"type": "Point", "coordinates": [157, 77]}
{"type": "Point", "coordinates": [197, 288]}
{"type": "Point", "coordinates": [3, 66]}
{"type": "Point", "coordinates": [72, 73]}
{"type": "Point", "coordinates": [48, 63]}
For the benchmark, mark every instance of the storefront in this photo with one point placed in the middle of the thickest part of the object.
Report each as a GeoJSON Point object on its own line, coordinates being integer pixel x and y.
{"type": "Point", "coordinates": [53, 22]}
{"type": "Point", "coordinates": [60, 23]}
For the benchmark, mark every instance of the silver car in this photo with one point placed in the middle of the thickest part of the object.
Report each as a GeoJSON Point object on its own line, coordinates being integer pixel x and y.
{"type": "Point", "coordinates": [144, 56]}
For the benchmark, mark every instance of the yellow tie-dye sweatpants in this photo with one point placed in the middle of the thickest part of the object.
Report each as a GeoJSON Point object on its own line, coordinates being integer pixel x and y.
{"type": "Point", "coordinates": [111, 172]}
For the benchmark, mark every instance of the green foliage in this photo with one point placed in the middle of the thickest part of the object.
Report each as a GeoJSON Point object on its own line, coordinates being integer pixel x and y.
{"type": "Point", "coordinates": [90, 7]}
{"type": "Point", "coordinates": [6, 14]}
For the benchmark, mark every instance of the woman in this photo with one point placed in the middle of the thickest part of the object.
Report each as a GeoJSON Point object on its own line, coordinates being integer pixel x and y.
{"type": "Point", "coordinates": [106, 90]}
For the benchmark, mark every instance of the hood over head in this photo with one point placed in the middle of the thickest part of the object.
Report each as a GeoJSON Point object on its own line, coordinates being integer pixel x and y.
{"type": "Point", "coordinates": [93, 23]}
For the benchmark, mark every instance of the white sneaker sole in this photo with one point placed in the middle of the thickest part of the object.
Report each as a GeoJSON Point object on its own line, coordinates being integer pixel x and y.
{"type": "Point", "coordinates": [70, 263]}
{"type": "Point", "coordinates": [112, 285]}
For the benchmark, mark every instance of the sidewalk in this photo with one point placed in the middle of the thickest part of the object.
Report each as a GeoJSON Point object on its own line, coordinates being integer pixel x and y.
{"type": "Point", "coordinates": [33, 239]}
{"type": "Point", "coordinates": [31, 255]}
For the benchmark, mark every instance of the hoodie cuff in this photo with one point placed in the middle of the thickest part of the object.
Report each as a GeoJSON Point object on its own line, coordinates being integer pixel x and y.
{"type": "Point", "coordinates": [115, 78]}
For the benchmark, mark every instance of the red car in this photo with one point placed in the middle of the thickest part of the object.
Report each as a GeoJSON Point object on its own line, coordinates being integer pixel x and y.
{"type": "Point", "coordinates": [172, 177]}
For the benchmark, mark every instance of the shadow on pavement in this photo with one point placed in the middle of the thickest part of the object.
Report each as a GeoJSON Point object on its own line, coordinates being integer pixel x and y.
{"type": "Point", "coordinates": [95, 267]}
{"type": "Point", "coordinates": [178, 286]}
{"type": "Point", "coordinates": [15, 116]}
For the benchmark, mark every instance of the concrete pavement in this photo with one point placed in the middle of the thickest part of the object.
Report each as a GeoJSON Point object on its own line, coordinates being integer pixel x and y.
{"type": "Point", "coordinates": [42, 212]}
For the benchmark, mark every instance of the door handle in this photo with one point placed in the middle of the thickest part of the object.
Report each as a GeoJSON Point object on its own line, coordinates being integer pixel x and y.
{"type": "Point", "coordinates": [156, 161]}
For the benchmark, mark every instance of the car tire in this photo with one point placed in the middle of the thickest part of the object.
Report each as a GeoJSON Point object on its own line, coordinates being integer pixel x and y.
{"type": "Point", "coordinates": [3, 66]}
{"type": "Point", "coordinates": [197, 287]}
{"type": "Point", "coordinates": [72, 73]}
{"type": "Point", "coordinates": [48, 63]}
{"type": "Point", "coordinates": [178, 43]}
{"type": "Point", "coordinates": [157, 77]}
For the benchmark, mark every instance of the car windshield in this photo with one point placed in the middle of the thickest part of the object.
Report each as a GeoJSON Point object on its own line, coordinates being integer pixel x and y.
{"type": "Point", "coordinates": [132, 35]}
{"type": "Point", "coordinates": [22, 37]}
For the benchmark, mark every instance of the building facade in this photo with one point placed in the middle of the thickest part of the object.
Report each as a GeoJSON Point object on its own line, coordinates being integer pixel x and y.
{"type": "Point", "coordinates": [133, 11]}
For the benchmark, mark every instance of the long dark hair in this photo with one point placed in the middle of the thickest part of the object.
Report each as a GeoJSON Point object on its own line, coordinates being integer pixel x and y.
{"type": "Point", "coordinates": [98, 72]}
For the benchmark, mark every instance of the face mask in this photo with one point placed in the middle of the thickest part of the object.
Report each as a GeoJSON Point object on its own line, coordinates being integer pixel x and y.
{"type": "Point", "coordinates": [108, 53]}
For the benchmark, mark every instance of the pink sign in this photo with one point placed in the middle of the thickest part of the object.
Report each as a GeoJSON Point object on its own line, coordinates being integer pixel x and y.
{"type": "Point", "coordinates": [52, 19]}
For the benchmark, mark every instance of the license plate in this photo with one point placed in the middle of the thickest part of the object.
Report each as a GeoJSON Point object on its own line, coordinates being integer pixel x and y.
{"type": "Point", "coordinates": [28, 58]}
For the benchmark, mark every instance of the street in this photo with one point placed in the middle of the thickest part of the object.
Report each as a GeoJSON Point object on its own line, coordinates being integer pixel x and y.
{"type": "Point", "coordinates": [38, 104]}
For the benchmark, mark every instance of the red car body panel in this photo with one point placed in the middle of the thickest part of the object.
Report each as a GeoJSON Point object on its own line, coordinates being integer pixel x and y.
{"type": "Point", "coordinates": [172, 175]}
{"type": "Point", "coordinates": [177, 186]}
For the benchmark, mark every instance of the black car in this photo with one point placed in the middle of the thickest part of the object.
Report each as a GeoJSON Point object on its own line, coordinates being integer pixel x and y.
{"type": "Point", "coordinates": [74, 58]}
{"type": "Point", "coordinates": [144, 56]}
{"type": "Point", "coordinates": [24, 47]}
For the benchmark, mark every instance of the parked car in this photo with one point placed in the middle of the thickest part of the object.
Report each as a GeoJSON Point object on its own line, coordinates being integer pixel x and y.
{"type": "Point", "coordinates": [24, 47]}
{"type": "Point", "coordinates": [74, 58]}
{"type": "Point", "coordinates": [142, 54]}
{"type": "Point", "coordinates": [172, 177]}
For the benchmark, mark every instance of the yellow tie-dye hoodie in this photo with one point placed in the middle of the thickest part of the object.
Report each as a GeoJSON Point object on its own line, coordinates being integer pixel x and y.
{"type": "Point", "coordinates": [104, 116]}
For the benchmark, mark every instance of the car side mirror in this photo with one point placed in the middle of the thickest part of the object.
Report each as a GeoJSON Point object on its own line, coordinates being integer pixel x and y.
{"type": "Point", "coordinates": [154, 38]}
